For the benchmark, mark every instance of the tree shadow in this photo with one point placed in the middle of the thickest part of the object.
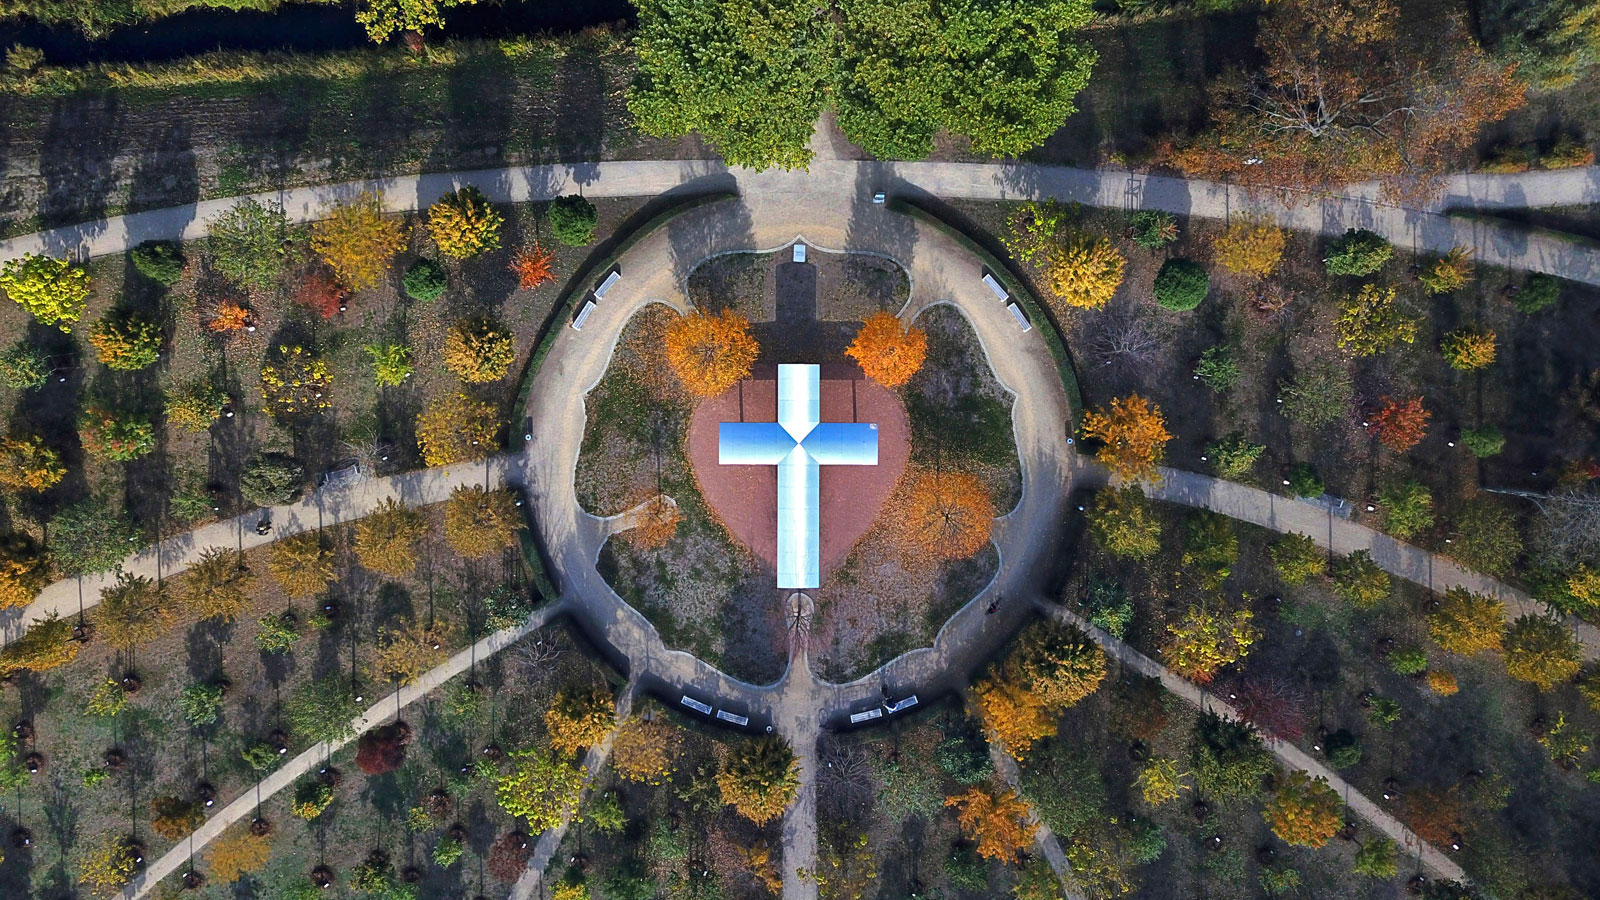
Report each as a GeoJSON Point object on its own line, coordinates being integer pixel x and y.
{"type": "Point", "coordinates": [77, 157]}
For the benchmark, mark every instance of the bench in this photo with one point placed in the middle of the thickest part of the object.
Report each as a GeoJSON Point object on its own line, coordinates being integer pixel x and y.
{"type": "Point", "coordinates": [800, 253]}
{"type": "Point", "coordinates": [583, 315]}
{"type": "Point", "coordinates": [613, 278]}
{"type": "Point", "coordinates": [858, 718]}
{"type": "Point", "coordinates": [726, 716]}
{"type": "Point", "coordinates": [897, 706]}
{"type": "Point", "coordinates": [695, 705]}
{"type": "Point", "coordinates": [994, 286]}
{"type": "Point", "coordinates": [1022, 320]}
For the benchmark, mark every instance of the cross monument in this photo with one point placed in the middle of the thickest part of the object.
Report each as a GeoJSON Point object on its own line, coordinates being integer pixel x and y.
{"type": "Point", "coordinates": [798, 444]}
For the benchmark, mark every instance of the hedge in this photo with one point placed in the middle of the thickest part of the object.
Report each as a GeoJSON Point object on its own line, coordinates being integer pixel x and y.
{"type": "Point", "coordinates": [1014, 285]}
{"type": "Point", "coordinates": [576, 289]}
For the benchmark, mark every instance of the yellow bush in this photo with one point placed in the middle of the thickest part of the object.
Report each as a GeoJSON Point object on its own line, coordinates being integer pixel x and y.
{"type": "Point", "coordinates": [1084, 272]}
{"type": "Point", "coordinates": [1252, 247]}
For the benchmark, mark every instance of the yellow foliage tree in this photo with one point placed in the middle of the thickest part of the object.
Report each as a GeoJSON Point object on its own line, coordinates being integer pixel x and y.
{"type": "Point", "coordinates": [1052, 667]}
{"type": "Point", "coordinates": [1469, 349]}
{"type": "Point", "coordinates": [23, 570]}
{"type": "Point", "coordinates": [301, 564]}
{"type": "Point", "coordinates": [463, 224]}
{"type": "Point", "coordinates": [760, 779]}
{"type": "Point", "coordinates": [1084, 272]}
{"type": "Point", "coordinates": [236, 854]}
{"type": "Point", "coordinates": [1134, 434]}
{"type": "Point", "coordinates": [479, 350]}
{"type": "Point", "coordinates": [386, 540]}
{"type": "Point", "coordinates": [218, 586]}
{"type": "Point", "coordinates": [26, 464]}
{"type": "Point", "coordinates": [946, 514]}
{"type": "Point", "coordinates": [45, 646]}
{"type": "Point", "coordinates": [888, 352]}
{"type": "Point", "coordinates": [1541, 651]}
{"type": "Point", "coordinates": [479, 522]}
{"type": "Point", "coordinates": [1303, 812]}
{"type": "Point", "coordinates": [1205, 640]}
{"type": "Point", "coordinates": [1450, 273]}
{"type": "Point", "coordinates": [1467, 623]}
{"type": "Point", "coordinates": [107, 865]}
{"type": "Point", "coordinates": [1015, 715]}
{"type": "Point", "coordinates": [1159, 780]}
{"type": "Point", "coordinates": [455, 429]}
{"type": "Point", "coordinates": [579, 718]}
{"type": "Point", "coordinates": [711, 353]}
{"type": "Point", "coordinates": [357, 241]}
{"type": "Point", "coordinates": [406, 652]}
{"type": "Point", "coordinates": [1251, 247]}
{"type": "Point", "coordinates": [644, 748]}
{"type": "Point", "coordinates": [132, 611]}
{"type": "Point", "coordinates": [1442, 683]}
{"type": "Point", "coordinates": [1001, 824]}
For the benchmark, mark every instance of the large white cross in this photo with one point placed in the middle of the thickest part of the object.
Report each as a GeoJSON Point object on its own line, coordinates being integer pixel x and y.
{"type": "Point", "coordinates": [798, 444]}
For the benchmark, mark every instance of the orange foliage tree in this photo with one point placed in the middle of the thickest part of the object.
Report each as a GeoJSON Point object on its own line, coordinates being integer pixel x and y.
{"type": "Point", "coordinates": [1134, 433]}
{"type": "Point", "coordinates": [1303, 812]}
{"type": "Point", "coordinates": [1001, 824]}
{"type": "Point", "coordinates": [1052, 667]}
{"type": "Point", "coordinates": [229, 319]}
{"type": "Point", "coordinates": [947, 514]}
{"type": "Point", "coordinates": [1400, 424]}
{"type": "Point", "coordinates": [532, 266]}
{"type": "Point", "coordinates": [321, 293]}
{"type": "Point", "coordinates": [23, 569]}
{"type": "Point", "coordinates": [887, 352]}
{"type": "Point", "coordinates": [711, 353]}
{"type": "Point", "coordinates": [656, 524]}
{"type": "Point", "coordinates": [643, 749]}
{"type": "Point", "coordinates": [236, 854]}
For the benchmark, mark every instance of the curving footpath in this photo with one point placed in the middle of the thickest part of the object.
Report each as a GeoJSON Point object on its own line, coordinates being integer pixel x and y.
{"type": "Point", "coordinates": [1428, 228]}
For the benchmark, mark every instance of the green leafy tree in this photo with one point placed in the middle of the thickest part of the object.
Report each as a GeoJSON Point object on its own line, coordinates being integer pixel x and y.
{"type": "Point", "coordinates": [1217, 369]}
{"type": "Point", "coordinates": [573, 219]}
{"type": "Point", "coordinates": [1358, 252]}
{"type": "Point", "coordinates": [1407, 508]}
{"type": "Point", "coordinates": [116, 435]}
{"type": "Point", "coordinates": [126, 341]}
{"type": "Point", "coordinates": [1210, 547]}
{"type": "Point", "coordinates": [1181, 284]}
{"type": "Point", "coordinates": [247, 243]}
{"type": "Point", "coordinates": [1153, 229]}
{"type": "Point", "coordinates": [1003, 72]}
{"type": "Point", "coordinates": [1359, 581]}
{"type": "Point", "coordinates": [1316, 396]}
{"type": "Point", "coordinates": [1541, 651]}
{"type": "Point", "coordinates": [1484, 441]}
{"type": "Point", "coordinates": [383, 19]}
{"type": "Point", "coordinates": [391, 363]}
{"type": "Point", "coordinates": [1123, 522]}
{"type": "Point", "coordinates": [542, 787]}
{"type": "Point", "coordinates": [91, 536]}
{"type": "Point", "coordinates": [1486, 537]}
{"type": "Point", "coordinates": [1305, 482]}
{"type": "Point", "coordinates": [159, 261]}
{"type": "Point", "coordinates": [1234, 457]}
{"type": "Point", "coordinates": [271, 479]}
{"type": "Point", "coordinates": [322, 710]}
{"type": "Point", "coordinates": [1298, 558]}
{"type": "Point", "coordinates": [1555, 42]}
{"type": "Point", "coordinates": [1541, 292]}
{"type": "Point", "coordinates": [1377, 859]}
{"type": "Point", "coordinates": [425, 281]}
{"type": "Point", "coordinates": [1371, 322]}
{"type": "Point", "coordinates": [53, 291]}
{"type": "Point", "coordinates": [201, 704]}
{"type": "Point", "coordinates": [24, 366]}
{"type": "Point", "coordinates": [197, 406]}
{"type": "Point", "coordinates": [1227, 760]}
{"type": "Point", "coordinates": [132, 611]}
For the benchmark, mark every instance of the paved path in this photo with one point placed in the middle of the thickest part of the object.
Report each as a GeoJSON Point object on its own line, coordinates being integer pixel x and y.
{"type": "Point", "coordinates": [1426, 228]}
{"type": "Point", "coordinates": [1434, 862]}
{"type": "Point", "coordinates": [176, 859]}
{"type": "Point", "coordinates": [1343, 537]}
{"type": "Point", "coordinates": [322, 507]}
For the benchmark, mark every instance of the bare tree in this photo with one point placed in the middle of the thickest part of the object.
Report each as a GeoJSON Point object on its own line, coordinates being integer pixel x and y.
{"type": "Point", "coordinates": [1569, 525]}
{"type": "Point", "coordinates": [537, 655]}
{"type": "Point", "coordinates": [1123, 341]}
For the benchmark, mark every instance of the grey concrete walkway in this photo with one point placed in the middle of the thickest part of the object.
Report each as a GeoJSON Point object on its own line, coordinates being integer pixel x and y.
{"type": "Point", "coordinates": [322, 507]}
{"type": "Point", "coordinates": [177, 859]}
{"type": "Point", "coordinates": [1426, 228]}
{"type": "Point", "coordinates": [1433, 861]}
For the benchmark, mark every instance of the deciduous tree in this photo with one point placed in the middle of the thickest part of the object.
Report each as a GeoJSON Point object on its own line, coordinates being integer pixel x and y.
{"type": "Point", "coordinates": [407, 650]}
{"type": "Point", "coordinates": [46, 645]}
{"type": "Point", "coordinates": [383, 749]}
{"type": "Point", "coordinates": [888, 352]}
{"type": "Point", "coordinates": [656, 524]}
{"type": "Point", "coordinates": [531, 265]}
{"type": "Point", "coordinates": [479, 350]}
{"type": "Point", "coordinates": [644, 748]}
{"type": "Point", "coordinates": [478, 522]}
{"type": "Point", "coordinates": [1407, 507]}
{"type": "Point", "coordinates": [946, 514]}
{"type": "Point", "coordinates": [1122, 522]}
{"type": "Point", "coordinates": [1541, 651]}
{"type": "Point", "coordinates": [1359, 581]}
{"type": "Point", "coordinates": [710, 353]}
{"type": "Point", "coordinates": [1051, 668]}
{"type": "Point", "coordinates": [463, 224]}
{"type": "Point", "coordinates": [26, 464]}
{"type": "Point", "coordinates": [1316, 395]}
{"type": "Point", "coordinates": [1371, 321]}
{"type": "Point", "coordinates": [107, 864]}
{"type": "Point", "coordinates": [321, 293]}
{"type": "Point", "coordinates": [1467, 623]}
{"type": "Point", "coordinates": [117, 435]}
{"type": "Point", "coordinates": [301, 563]}
{"type": "Point", "coordinates": [1469, 349]}
{"type": "Point", "coordinates": [1451, 272]}
{"type": "Point", "coordinates": [386, 540]}
{"type": "Point", "coordinates": [89, 537]}
{"type": "Point", "coordinates": [385, 18]}
{"type": "Point", "coordinates": [237, 853]}
{"type": "Point", "coordinates": [357, 241]}
{"type": "Point", "coordinates": [760, 779]}
{"type": "Point", "coordinates": [1159, 781]}
{"type": "Point", "coordinates": [126, 341]}
{"type": "Point", "coordinates": [174, 817]}
{"type": "Point", "coordinates": [53, 291]}
{"type": "Point", "coordinates": [132, 611]}
{"type": "Point", "coordinates": [1206, 639]}
{"type": "Point", "coordinates": [247, 243]}
{"type": "Point", "coordinates": [1001, 824]}
{"type": "Point", "coordinates": [579, 717]}
{"type": "Point", "coordinates": [1134, 434]}
{"type": "Point", "coordinates": [295, 382]}
{"type": "Point", "coordinates": [322, 710]}
{"type": "Point", "coordinates": [23, 569]}
{"type": "Point", "coordinates": [1298, 558]}
{"type": "Point", "coordinates": [542, 787]}
{"type": "Point", "coordinates": [1251, 247]}
{"type": "Point", "coordinates": [1400, 424]}
{"type": "Point", "coordinates": [456, 428]}
{"type": "Point", "coordinates": [218, 585]}
{"type": "Point", "coordinates": [1303, 812]}
{"type": "Point", "coordinates": [1084, 271]}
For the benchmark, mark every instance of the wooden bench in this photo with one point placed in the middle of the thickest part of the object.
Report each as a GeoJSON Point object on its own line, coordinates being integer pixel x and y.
{"type": "Point", "coordinates": [612, 279]}
{"type": "Point", "coordinates": [994, 286]}
{"type": "Point", "coordinates": [583, 315]}
{"type": "Point", "coordinates": [695, 705]}
{"type": "Point", "coordinates": [738, 720]}
{"type": "Point", "coordinates": [1022, 320]}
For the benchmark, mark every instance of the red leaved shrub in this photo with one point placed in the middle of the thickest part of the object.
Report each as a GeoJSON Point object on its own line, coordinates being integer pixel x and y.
{"type": "Point", "coordinates": [383, 749]}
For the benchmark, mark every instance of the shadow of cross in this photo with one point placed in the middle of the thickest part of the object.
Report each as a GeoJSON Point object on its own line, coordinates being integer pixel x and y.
{"type": "Point", "coordinates": [798, 444]}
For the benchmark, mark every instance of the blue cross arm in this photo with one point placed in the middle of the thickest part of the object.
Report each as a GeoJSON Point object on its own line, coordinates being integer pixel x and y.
{"type": "Point", "coordinates": [843, 444]}
{"type": "Point", "coordinates": [752, 443]}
